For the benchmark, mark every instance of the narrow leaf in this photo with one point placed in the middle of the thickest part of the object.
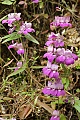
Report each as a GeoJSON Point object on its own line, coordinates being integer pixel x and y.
{"type": "Point", "coordinates": [77, 105]}
{"type": "Point", "coordinates": [3, 18]}
{"type": "Point", "coordinates": [7, 2]}
{"type": "Point", "coordinates": [10, 37]}
{"type": "Point", "coordinates": [37, 67]}
{"type": "Point", "coordinates": [31, 38]}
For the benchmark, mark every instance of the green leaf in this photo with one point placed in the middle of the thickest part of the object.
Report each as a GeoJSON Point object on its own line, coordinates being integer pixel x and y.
{"type": "Point", "coordinates": [31, 38]}
{"type": "Point", "coordinates": [37, 67]}
{"type": "Point", "coordinates": [17, 71]}
{"type": "Point", "coordinates": [62, 117]}
{"type": "Point", "coordinates": [65, 81]}
{"type": "Point", "coordinates": [3, 18]}
{"type": "Point", "coordinates": [77, 105]}
{"type": "Point", "coordinates": [10, 37]}
{"type": "Point", "coordinates": [7, 2]}
{"type": "Point", "coordinates": [67, 84]}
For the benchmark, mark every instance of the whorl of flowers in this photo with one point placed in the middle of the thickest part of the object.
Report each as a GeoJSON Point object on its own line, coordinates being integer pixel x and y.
{"type": "Point", "coordinates": [56, 55]}
{"type": "Point", "coordinates": [61, 21]}
{"type": "Point", "coordinates": [25, 27]}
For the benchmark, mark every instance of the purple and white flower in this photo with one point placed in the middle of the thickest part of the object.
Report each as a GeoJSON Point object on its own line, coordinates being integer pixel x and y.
{"type": "Point", "coordinates": [25, 28]}
{"type": "Point", "coordinates": [55, 115]}
{"type": "Point", "coordinates": [61, 21]}
{"type": "Point", "coordinates": [18, 47]}
{"type": "Point", "coordinates": [12, 17]}
{"type": "Point", "coordinates": [54, 89]}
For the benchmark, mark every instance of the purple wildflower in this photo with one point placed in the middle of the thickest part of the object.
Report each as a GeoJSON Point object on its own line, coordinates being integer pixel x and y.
{"type": "Point", "coordinates": [60, 59]}
{"type": "Point", "coordinates": [65, 56]}
{"type": "Point", "coordinates": [46, 71]}
{"type": "Point", "coordinates": [54, 89]}
{"type": "Point", "coordinates": [60, 51]}
{"type": "Point", "coordinates": [11, 18]}
{"type": "Point", "coordinates": [52, 36]}
{"type": "Point", "coordinates": [49, 56]}
{"type": "Point", "coordinates": [51, 70]}
{"type": "Point", "coordinates": [46, 90]}
{"type": "Point", "coordinates": [54, 74]}
{"type": "Point", "coordinates": [50, 48]}
{"type": "Point", "coordinates": [54, 118]}
{"type": "Point", "coordinates": [18, 47]}
{"type": "Point", "coordinates": [75, 57]}
{"type": "Point", "coordinates": [61, 21]}
{"type": "Point", "coordinates": [55, 39]}
{"type": "Point", "coordinates": [25, 28]}
{"type": "Point", "coordinates": [55, 115]}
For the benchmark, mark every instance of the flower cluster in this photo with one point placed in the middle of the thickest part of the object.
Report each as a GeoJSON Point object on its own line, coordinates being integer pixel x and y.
{"type": "Point", "coordinates": [55, 39]}
{"type": "Point", "coordinates": [54, 89]}
{"type": "Point", "coordinates": [61, 21]}
{"type": "Point", "coordinates": [12, 19]}
{"type": "Point", "coordinates": [26, 28]}
{"type": "Point", "coordinates": [56, 55]}
{"type": "Point", "coordinates": [20, 27]}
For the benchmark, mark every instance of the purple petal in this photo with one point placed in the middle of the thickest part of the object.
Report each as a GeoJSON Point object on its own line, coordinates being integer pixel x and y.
{"type": "Point", "coordinates": [20, 51]}
{"type": "Point", "coordinates": [54, 67]}
{"type": "Point", "coordinates": [46, 71]}
{"type": "Point", "coordinates": [75, 56]}
{"type": "Point", "coordinates": [69, 61]}
{"type": "Point", "coordinates": [49, 56]}
{"type": "Point", "coordinates": [60, 59]}
{"type": "Point", "coordinates": [53, 92]}
{"type": "Point", "coordinates": [60, 93]}
{"type": "Point", "coordinates": [54, 118]}
{"type": "Point", "coordinates": [4, 21]}
{"type": "Point", "coordinates": [54, 74]}
{"type": "Point", "coordinates": [48, 42]}
{"type": "Point", "coordinates": [46, 91]}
